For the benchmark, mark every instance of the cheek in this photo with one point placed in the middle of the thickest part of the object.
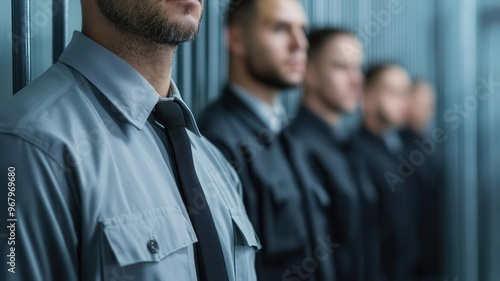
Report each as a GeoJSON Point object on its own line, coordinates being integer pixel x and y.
{"type": "Point", "coordinates": [257, 57]}
{"type": "Point", "coordinates": [266, 53]}
{"type": "Point", "coordinates": [333, 81]}
{"type": "Point", "coordinates": [325, 83]}
{"type": "Point", "coordinates": [404, 108]}
{"type": "Point", "coordinates": [272, 45]}
{"type": "Point", "coordinates": [391, 106]}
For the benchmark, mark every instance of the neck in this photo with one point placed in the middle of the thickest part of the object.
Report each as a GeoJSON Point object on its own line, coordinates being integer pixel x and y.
{"type": "Point", "coordinates": [241, 77]}
{"type": "Point", "coordinates": [320, 108]}
{"type": "Point", "coordinates": [418, 128]}
{"type": "Point", "coordinates": [375, 125]}
{"type": "Point", "coordinates": [153, 61]}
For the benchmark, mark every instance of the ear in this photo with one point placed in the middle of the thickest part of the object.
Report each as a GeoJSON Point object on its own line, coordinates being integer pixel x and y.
{"type": "Point", "coordinates": [235, 40]}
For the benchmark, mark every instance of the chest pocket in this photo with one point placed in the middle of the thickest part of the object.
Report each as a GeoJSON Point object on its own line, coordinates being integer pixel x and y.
{"type": "Point", "coordinates": [283, 226]}
{"type": "Point", "coordinates": [148, 245]}
{"type": "Point", "coordinates": [246, 245]}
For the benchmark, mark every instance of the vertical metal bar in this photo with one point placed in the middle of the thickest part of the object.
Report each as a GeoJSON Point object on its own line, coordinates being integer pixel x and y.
{"type": "Point", "coordinates": [21, 44]}
{"type": "Point", "coordinates": [470, 242]}
{"type": "Point", "coordinates": [59, 27]}
{"type": "Point", "coordinates": [199, 67]}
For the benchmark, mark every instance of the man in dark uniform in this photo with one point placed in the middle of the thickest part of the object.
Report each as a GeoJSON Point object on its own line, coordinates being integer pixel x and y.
{"type": "Point", "coordinates": [268, 50]}
{"type": "Point", "coordinates": [386, 101]}
{"type": "Point", "coordinates": [419, 138]}
{"type": "Point", "coordinates": [333, 87]}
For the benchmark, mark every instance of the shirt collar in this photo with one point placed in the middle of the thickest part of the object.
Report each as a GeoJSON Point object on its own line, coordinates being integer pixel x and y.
{"type": "Point", "coordinates": [175, 95]}
{"type": "Point", "coordinates": [392, 141]}
{"type": "Point", "coordinates": [132, 95]}
{"type": "Point", "coordinates": [273, 116]}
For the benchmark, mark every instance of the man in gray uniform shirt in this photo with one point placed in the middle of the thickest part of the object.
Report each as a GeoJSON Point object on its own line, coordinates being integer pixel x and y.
{"type": "Point", "coordinates": [110, 175]}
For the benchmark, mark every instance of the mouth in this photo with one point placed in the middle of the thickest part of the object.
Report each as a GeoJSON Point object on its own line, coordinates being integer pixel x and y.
{"type": "Point", "coordinates": [296, 65]}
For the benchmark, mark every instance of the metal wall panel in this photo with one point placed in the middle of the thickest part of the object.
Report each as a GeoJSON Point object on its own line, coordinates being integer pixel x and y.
{"type": "Point", "coordinates": [41, 36]}
{"type": "Point", "coordinates": [457, 77]}
{"type": "Point", "coordinates": [488, 135]}
{"type": "Point", "coordinates": [60, 24]}
{"type": "Point", "coordinates": [5, 50]}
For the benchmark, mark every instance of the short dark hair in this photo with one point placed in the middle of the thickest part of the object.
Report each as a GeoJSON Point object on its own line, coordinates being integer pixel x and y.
{"type": "Point", "coordinates": [239, 11]}
{"type": "Point", "coordinates": [374, 72]}
{"type": "Point", "coordinates": [319, 37]}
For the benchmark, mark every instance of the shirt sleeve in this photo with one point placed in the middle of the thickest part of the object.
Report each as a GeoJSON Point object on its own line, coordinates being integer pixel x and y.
{"type": "Point", "coordinates": [38, 214]}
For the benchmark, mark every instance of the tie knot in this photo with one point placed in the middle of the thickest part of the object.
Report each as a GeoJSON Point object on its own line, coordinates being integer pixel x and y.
{"type": "Point", "coordinates": [169, 114]}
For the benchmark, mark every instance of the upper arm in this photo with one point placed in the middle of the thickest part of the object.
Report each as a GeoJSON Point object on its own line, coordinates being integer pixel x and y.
{"type": "Point", "coordinates": [44, 236]}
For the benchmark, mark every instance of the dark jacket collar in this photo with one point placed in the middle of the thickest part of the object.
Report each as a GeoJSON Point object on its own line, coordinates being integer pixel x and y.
{"type": "Point", "coordinates": [310, 123]}
{"type": "Point", "coordinates": [236, 106]}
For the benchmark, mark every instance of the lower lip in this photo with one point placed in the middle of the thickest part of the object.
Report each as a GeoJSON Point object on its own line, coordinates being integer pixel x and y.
{"type": "Point", "coordinates": [296, 65]}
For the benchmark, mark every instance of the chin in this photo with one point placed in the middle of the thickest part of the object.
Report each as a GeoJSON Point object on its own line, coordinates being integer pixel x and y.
{"type": "Point", "coordinates": [295, 80]}
{"type": "Point", "coordinates": [294, 83]}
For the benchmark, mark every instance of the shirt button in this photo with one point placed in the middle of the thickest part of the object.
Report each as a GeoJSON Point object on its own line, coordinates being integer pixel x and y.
{"type": "Point", "coordinates": [153, 246]}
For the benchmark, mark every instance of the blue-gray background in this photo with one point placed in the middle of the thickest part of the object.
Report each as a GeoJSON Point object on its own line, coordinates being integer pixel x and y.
{"type": "Point", "coordinates": [454, 44]}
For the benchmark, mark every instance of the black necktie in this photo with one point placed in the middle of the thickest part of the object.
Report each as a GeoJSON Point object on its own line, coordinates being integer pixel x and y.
{"type": "Point", "coordinates": [210, 259]}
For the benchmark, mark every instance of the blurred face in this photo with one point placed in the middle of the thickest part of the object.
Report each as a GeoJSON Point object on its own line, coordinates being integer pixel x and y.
{"type": "Point", "coordinates": [422, 105]}
{"type": "Point", "coordinates": [335, 74]}
{"type": "Point", "coordinates": [392, 93]}
{"type": "Point", "coordinates": [275, 43]}
{"type": "Point", "coordinates": [168, 22]}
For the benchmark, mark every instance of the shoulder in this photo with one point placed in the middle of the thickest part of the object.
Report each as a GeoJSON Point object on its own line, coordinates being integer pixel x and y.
{"type": "Point", "coordinates": [46, 112]}
{"type": "Point", "coordinates": [221, 126]}
{"type": "Point", "coordinates": [312, 138]}
{"type": "Point", "coordinates": [215, 116]}
{"type": "Point", "coordinates": [308, 130]}
{"type": "Point", "coordinates": [38, 97]}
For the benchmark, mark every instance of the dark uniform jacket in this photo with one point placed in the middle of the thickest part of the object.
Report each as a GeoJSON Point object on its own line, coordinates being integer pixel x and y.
{"type": "Point", "coordinates": [428, 174]}
{"type": "Point", "coordinates": [275, 199]}
{"type": "Point", "coordinates": [397, 191]}
{"type": "Point", "coordinates": [354, 203]}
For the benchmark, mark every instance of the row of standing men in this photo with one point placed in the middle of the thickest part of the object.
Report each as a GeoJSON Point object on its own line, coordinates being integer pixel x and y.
{"type": "Point", "coordinates": [325, 204]}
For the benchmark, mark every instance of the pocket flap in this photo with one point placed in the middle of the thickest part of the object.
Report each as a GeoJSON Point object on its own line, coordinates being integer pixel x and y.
{"type": "Point", "coordinates": [245, 229]}
{"type": "Point", "coordinates": [148, 236]}
{"type": "Point", "coordinates": [321, 195]}
{"type": "Point", "coordinates": [284, 193]}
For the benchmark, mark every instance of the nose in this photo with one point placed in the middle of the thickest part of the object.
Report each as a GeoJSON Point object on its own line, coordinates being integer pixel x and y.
{"type": "Point", "coordinates": [357, 78]}
{"type": "Point", "coordinates": [299, 39]}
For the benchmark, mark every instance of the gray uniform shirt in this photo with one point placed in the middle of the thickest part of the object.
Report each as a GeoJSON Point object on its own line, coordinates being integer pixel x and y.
{"type": "Point", "coordinates": [93, 183]}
